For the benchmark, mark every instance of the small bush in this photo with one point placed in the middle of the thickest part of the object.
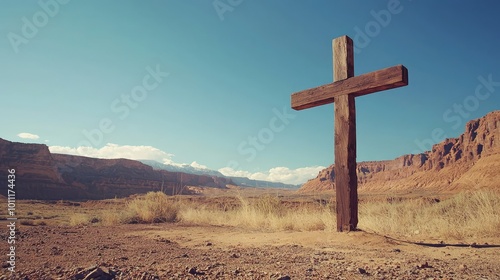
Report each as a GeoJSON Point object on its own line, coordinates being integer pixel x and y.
{"type": "Point", "coordinates": [114, 217]}
{"type": "Point", "coordinates": [79, 219]}
{"type": "Point", "coordinates": [154, 207]}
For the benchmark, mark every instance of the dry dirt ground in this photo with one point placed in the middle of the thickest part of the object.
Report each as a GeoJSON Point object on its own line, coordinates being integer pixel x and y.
{"type": "Point", "coordinates": [183, 251]}
{"type": "Point", "coordinates": [170, 251]}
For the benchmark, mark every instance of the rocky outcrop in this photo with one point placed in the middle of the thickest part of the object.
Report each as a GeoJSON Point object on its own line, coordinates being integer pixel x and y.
{"type": "Point", "coordinates": [469, 161]}
{"type": "Point", "coordinates": [42, 175]}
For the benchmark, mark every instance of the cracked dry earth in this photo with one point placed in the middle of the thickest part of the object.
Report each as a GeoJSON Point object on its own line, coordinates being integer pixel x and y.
{"type": "Point", "coordinates": [171, 251]}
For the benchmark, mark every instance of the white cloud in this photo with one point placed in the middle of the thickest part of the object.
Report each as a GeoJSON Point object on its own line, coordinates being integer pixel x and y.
{"type": "Point", "coordinates": [130, 152]}
{"type": "Point", "coordinates": [228, 171]}
{"type": "Point", "coordinates": [26, 135]}
{"type": "Point", "coordinates": [117, 151]}
{"type": "Point", "coordinates": [277, 174]}
{"type": "Point", "coordinates": [199, 166]}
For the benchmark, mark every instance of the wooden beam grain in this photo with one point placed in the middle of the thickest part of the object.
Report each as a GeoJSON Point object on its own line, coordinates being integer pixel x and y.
{"type": "Point", "coordinates": [389, 78]}
{"type": "Point", "coordinates": [343, 58]}
{"type": "Point", "coordinates": [346, 180]}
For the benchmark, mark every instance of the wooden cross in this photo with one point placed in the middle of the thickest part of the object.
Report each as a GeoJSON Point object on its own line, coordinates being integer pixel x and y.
{"type": "Point", "coordinates": [342, 93]}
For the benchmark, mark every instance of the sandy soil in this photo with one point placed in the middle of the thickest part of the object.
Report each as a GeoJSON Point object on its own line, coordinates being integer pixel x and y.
{"type": "Point", "coordinates": [173, 251]}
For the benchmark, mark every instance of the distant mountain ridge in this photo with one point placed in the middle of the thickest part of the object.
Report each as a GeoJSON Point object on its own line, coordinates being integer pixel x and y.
{"type": "Point", "coordinates": [246, 182]}
{"type": "Point", "coordinates": [42, 175]}
{"type": "Point", "coordinates": [183, 168]}
{"type": "Point", "coordinates": [469, 161]}
{"type": "Point", "coordinates": [240, 181]}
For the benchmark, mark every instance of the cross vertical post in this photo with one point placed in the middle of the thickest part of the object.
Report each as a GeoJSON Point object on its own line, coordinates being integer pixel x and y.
{"type": "Point", "coordinates": [342, 93]}
{"type": "Point", "coordinates": [346, 180]}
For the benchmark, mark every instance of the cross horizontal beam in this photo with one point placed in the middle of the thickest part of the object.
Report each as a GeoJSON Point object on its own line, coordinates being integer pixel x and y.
{"type": "Point", "coordinates": [389, 78]}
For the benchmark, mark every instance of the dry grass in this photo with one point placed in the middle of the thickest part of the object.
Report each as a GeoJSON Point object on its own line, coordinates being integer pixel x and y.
{"type": "Point", "coordinates": [154, 207]}
{"type": "Point", "coordinates": [265, 212]}
{"type": "Point", "coordinates": [465, 215]}
{"type": "Point", "coordinates": [114, 217]}
{"type": "Point", "coordinates": [79, 219]}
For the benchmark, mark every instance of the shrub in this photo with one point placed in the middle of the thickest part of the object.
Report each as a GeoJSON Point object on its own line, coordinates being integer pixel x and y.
{"type": "Point", "coordinates": [154, 207]}
{"type": "Point", "coordinates": [79, 219]}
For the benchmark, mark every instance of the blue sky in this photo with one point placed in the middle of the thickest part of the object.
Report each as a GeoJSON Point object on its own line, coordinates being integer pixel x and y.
{"type": "Point", "coordinates": [208, 83]}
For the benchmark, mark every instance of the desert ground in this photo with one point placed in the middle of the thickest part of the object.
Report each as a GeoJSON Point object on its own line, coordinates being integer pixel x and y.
{"type": "Point", "coordinates": [256, 234]}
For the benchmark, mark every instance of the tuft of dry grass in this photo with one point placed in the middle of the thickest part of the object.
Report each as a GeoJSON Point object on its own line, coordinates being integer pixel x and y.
{"type": "Point", "coordinates": [79, 219]}
{"type": "Point", "coordinates": [114, 217]}
{"type": "Point", "coordinates": [154, 207]}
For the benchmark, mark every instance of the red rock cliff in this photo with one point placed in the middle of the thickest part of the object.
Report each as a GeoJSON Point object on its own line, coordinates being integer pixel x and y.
{"type": "Point", "coordinates": [470, 161]}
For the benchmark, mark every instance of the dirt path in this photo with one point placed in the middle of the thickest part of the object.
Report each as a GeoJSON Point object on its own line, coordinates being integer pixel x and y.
{"type": "Point", "coordinates": [194, 252]}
